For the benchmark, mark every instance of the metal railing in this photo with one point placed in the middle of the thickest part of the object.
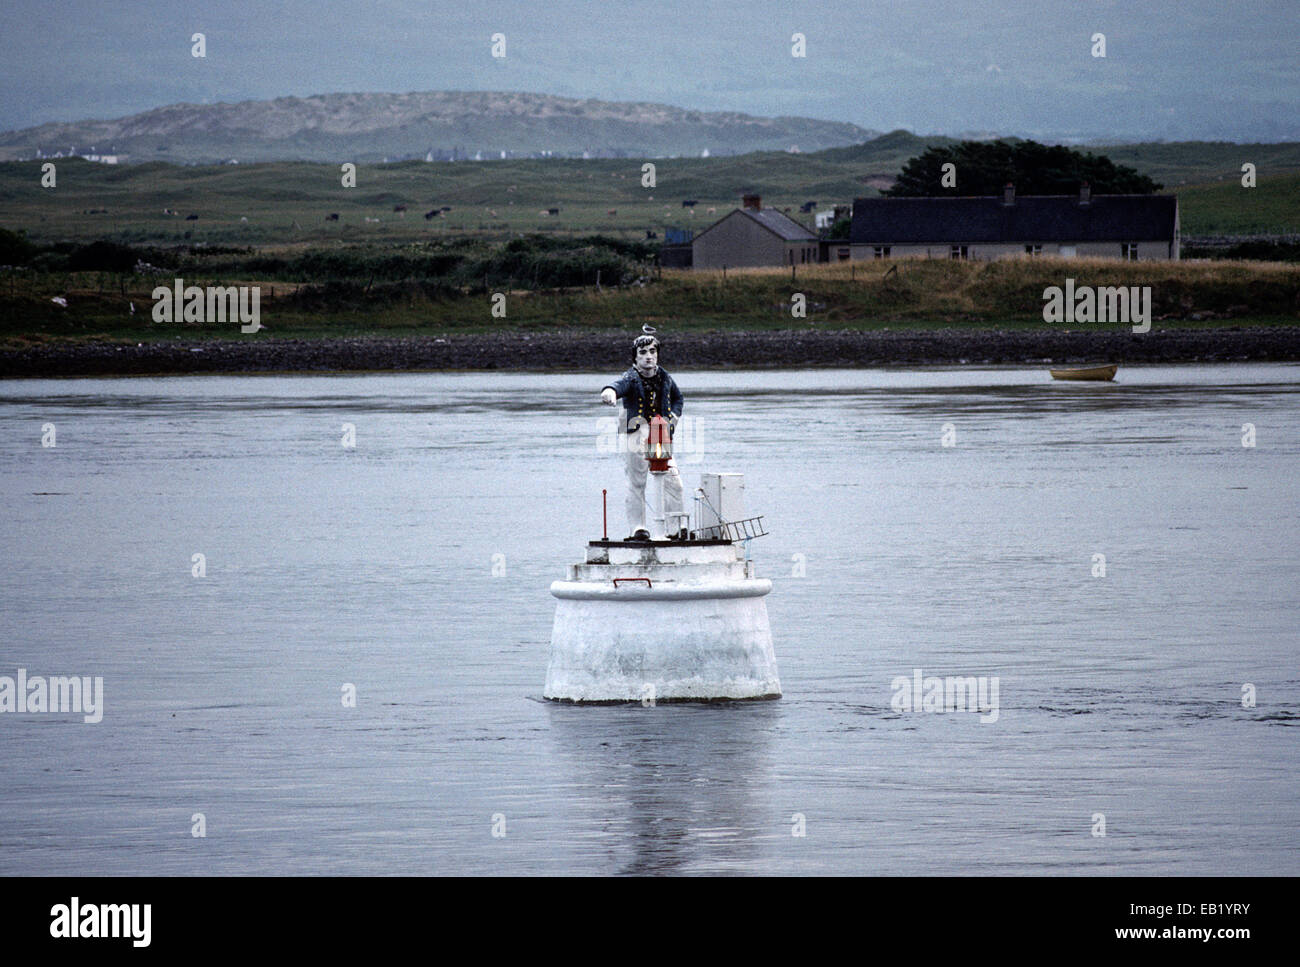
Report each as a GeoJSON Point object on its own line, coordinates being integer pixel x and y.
{"type": "Point", "coordinates": [732, 530]}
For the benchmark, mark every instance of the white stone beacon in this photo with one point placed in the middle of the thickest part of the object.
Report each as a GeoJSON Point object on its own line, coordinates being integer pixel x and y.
{"type": "Point", "coordinates": [667, 620]}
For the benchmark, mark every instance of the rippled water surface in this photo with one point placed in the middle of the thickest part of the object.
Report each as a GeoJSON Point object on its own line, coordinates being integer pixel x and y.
{"type": "Point", "coordinates": [1119, 694]}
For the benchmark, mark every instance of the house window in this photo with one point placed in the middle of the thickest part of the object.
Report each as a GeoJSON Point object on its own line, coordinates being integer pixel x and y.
{"type": "Point", "coordinates": [958, 252]}
{"type": "Point", "coordinates": [1033, 250]}
{"type": "Point", "coordinates": [880, 252]}
{"type": "Point", "coordinates": [842, 254]}
{"type": "Point", "coordinates": [1129, 251]}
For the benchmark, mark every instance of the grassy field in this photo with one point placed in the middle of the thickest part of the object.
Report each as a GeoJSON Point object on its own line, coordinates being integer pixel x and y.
{"type": "Point", "coordinates": [919, 294]}
{"type": "Point", "coordinates": [1226, 208]}
{"type": "Point", "coordinates": [286, 204]}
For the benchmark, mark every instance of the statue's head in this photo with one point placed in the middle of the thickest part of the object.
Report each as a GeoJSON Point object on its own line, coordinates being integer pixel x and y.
{"type": "Point", "coordinates": [647, 355]}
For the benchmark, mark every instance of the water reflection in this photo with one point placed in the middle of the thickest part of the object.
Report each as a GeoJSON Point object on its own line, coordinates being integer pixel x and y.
{"type": "Point", "coordinates": [674, 788]}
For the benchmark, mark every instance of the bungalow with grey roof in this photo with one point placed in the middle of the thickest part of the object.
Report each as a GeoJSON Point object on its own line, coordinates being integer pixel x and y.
{"type": "Point", "coordinates": [1130, 227]}
{"type": "Point", "coordinates": [753, 236]}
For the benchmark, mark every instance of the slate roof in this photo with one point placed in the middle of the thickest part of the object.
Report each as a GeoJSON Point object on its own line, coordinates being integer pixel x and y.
{"type": "Point", "coordinates": [1032, 218]}
{"type": "Point", "coordinates": [781, 223]}
{"type": "Point", "coordinates": [774, 221]}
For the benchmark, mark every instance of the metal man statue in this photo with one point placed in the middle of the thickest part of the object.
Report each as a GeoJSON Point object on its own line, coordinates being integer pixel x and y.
{"type": "Point", "coordinates": [646, 391]}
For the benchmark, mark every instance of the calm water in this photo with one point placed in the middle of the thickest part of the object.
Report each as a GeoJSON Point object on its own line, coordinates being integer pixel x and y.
{"type": "Point", "coordinates": [1119, 694]}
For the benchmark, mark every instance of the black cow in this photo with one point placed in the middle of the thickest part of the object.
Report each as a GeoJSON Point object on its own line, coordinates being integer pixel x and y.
{"type": "Point", "coordinates": [191, 218]}
{"type": "Point", "coordinates": [431, 215]}
{"type": "Point", "coordinates": [689, 203]}
{"type": "Point", "coordinates": [332, 217]}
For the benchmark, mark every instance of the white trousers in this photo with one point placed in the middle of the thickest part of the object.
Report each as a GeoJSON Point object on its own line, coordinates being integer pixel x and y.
{"type": "Point", "coordinates": [638, 468]}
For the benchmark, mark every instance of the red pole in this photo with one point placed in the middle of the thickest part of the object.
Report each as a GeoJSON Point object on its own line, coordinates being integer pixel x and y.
{"type": "Point", "coordinates": [604, 517]}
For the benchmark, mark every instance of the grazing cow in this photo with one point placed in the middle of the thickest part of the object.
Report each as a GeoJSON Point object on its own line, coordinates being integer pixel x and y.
{"type": "Point", "coordinates": [713, 211]}
{"type": "Point", "coordinates": [399, 208]}
{"type": "Point", "coordinates": [689, 203]}
{"type": "Point", "coordinates": [650, 234]}
{"type": "Point", "coordinates": [373, 220]}
{"type": "Point", "coordinates": [332, 217]}
{"type": "Point", "coordinates": [428, 216]}
{"type": "Point", "coordinates": [191, 218]}
{"type": "Point", "coordinates": [612, 211]}
{"type": "Point", "coordinates": [543, 213]}
{"type": "Point", "coordinates": [552, 211]}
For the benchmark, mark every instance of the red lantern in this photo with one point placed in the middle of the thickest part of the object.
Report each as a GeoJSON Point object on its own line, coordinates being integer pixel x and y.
{"type": "Point", "coordinates": [659, 448]}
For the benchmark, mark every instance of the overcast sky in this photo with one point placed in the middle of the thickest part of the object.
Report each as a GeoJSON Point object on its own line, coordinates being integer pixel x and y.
{"type": "Point", "coordinates": [1174, 69]}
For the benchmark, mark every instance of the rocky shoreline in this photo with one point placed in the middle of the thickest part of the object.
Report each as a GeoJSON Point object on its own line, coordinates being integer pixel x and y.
{"type": "Point", "coordinates": [585, 350]}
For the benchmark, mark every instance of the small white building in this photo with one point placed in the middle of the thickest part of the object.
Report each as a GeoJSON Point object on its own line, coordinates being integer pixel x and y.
{"type": "Point", "coordinates": [753, 236]}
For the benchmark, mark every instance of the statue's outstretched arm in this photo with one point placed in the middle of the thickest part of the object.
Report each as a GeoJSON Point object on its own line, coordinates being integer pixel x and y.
{"type": "Point", "coordinates": [618, 388]}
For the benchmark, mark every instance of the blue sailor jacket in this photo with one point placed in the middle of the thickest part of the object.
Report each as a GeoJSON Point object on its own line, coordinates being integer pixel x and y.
{"type": "Point", "coordinates": [634, 391]}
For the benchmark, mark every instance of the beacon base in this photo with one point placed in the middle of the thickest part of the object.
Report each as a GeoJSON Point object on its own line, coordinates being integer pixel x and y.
{"type": "Point", "coordinates": [661, 622]}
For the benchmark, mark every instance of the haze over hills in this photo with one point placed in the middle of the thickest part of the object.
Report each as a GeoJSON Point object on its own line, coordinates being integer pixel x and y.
{"type": "Point", "coordinates": [440, 125]}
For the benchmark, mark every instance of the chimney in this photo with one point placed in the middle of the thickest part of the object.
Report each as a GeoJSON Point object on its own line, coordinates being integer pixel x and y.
{"type": "Point", "coordinates": [1085, 194]}
{"type": "Point", "coordinates": [752, 201]}
{"type": "Point", "coordinates": [1009, 194]}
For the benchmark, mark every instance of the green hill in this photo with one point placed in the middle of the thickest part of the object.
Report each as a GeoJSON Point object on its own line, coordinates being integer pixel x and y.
{"type": "Point", "coordinates": [287, 203]}
{"type": "Point", "coordinates": [372, 127]}
{"type": "Point", "coordinates": [1180, 163]}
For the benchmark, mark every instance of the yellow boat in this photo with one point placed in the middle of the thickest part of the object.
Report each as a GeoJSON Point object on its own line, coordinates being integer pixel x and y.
{"type": "Point", "coordinates": [1089, 372]}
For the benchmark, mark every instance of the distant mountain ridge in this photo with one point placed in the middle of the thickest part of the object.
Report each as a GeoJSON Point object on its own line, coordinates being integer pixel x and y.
{"type": "Point", "coordinates": [441, 125]}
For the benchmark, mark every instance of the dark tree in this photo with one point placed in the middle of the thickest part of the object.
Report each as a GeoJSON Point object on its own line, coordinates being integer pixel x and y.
{"type": "Point", "coordinates": [102, 256]}
{"type": "Point", "coordinates": [14, 248]}
{"type": "Point", "coordinates": [840, 230]}
{"type": "Point", "coordinates": [984, 167]}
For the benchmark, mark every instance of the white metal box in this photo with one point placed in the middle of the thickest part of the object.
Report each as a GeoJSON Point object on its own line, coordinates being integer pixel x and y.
{"type": "Point", "coordinates": [724, 498]}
